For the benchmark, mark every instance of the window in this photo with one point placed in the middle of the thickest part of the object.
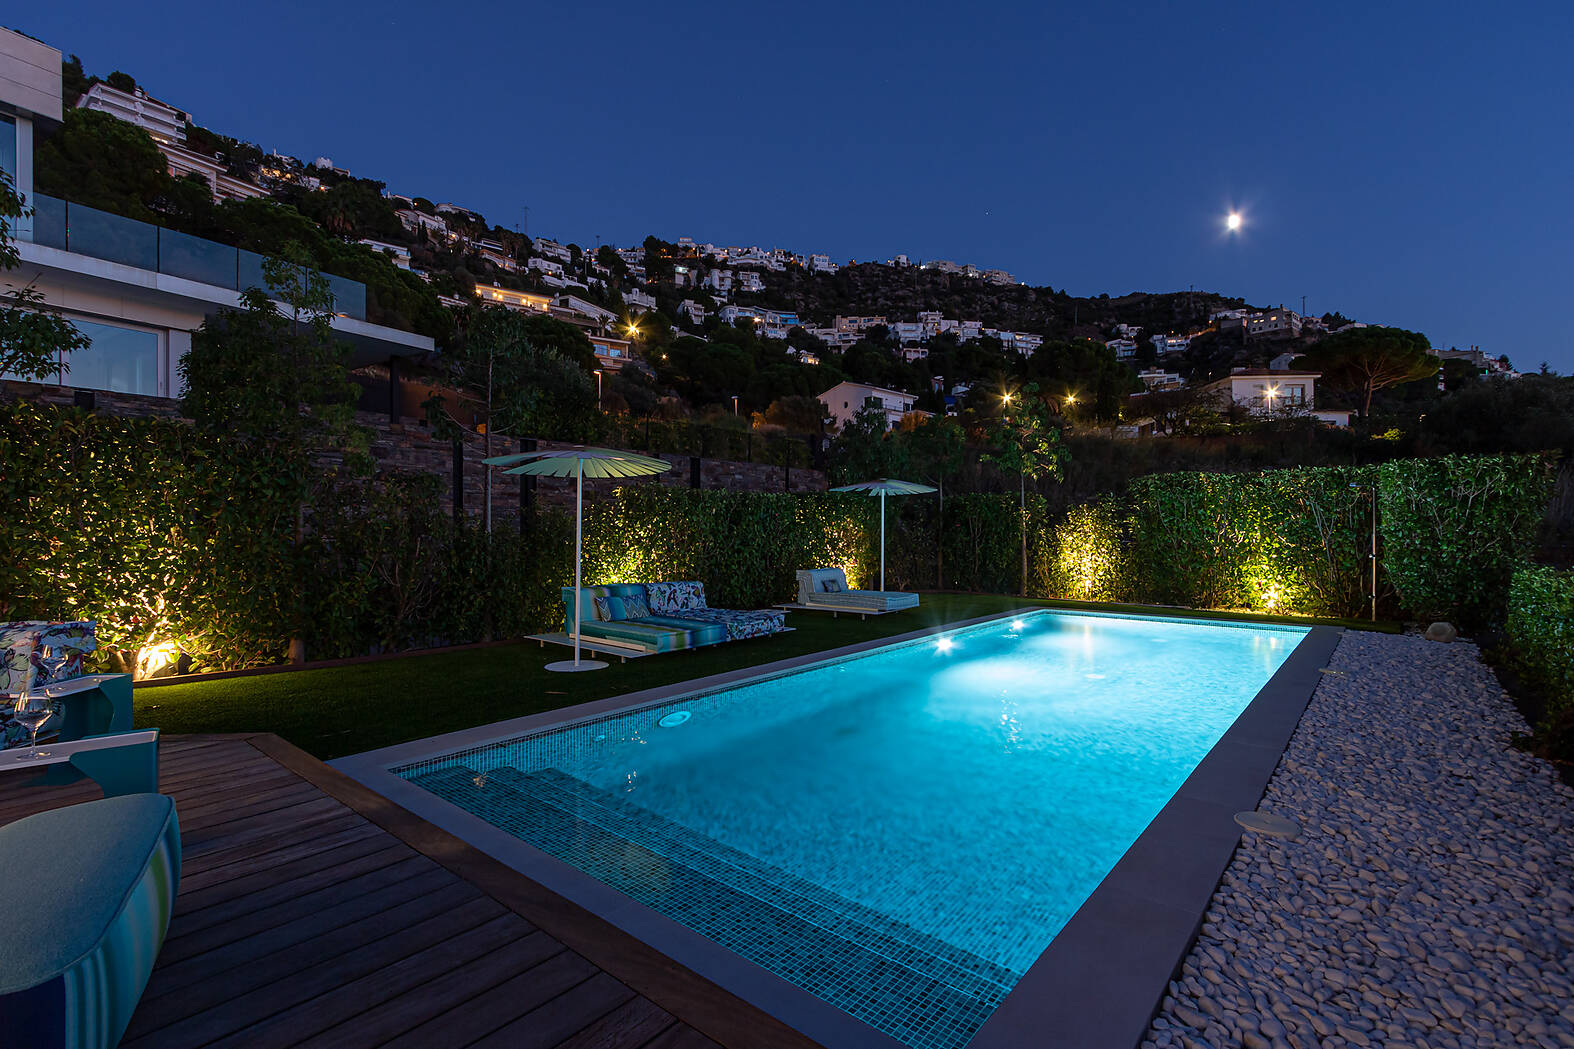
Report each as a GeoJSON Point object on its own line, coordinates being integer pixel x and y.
{"type": "Point", "coordinates": [120, 360]}
{"type": "Point", "coordinates": [8, 146]}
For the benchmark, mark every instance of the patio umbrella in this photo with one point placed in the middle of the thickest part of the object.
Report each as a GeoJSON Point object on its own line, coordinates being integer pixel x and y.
{"type": "Point", "coordinates": [883, 486]}
{"type": "Point", "coordinates": [579, 463]}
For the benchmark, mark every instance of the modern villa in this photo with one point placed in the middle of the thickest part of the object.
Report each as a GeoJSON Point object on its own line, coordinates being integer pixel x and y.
{"type": "Point", "coordinates": [138, 290]}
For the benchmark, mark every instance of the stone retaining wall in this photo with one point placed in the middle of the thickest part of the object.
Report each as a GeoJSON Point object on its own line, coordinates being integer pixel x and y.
{"type": "Point", "coordinates": [410, 445]}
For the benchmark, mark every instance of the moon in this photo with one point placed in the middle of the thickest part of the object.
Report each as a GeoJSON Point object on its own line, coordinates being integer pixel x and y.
{"type": "Point", "coordinates": [1233, 222]}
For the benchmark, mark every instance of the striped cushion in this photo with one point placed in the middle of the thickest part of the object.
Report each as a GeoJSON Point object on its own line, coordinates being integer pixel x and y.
{"type": "Point", "coordinates": [108, 870]}
{"type": "Point", "coordinates": [873, 600]}
{"type": "Point", "coordinates": [658, 633]}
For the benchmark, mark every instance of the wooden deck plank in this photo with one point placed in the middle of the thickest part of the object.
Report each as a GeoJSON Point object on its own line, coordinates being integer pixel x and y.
{"type": "Point", "coordinates": [300, 936]}
{"type": "Point", "coordinates": [633, 1023]}
{"type": "Point", "coordinates": [561, 1017]}
{"type": "Point", "coordinates": [498, 1005]}
{"type": "Point", "coordinates": [340, 998]}
{"type": "Point", "coordinates": [313, 913]}
{"type": "Point", "coordinates": [186, 989]}
{"type": "Point", "coordinates": [453, 995]}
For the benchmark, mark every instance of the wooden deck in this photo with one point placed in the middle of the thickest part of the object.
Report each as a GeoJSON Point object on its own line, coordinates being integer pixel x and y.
{"type": "Point", "coordinates": [315, 913]}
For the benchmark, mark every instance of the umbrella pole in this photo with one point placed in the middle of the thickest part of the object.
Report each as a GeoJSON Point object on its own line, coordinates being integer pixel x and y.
{"type": "Point", "coordinates": [579, 514]}
{"type": "Point", "coordinates": [882, 542]}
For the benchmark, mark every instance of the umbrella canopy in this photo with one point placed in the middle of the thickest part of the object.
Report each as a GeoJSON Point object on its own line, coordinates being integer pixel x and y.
{"type": "Point", "coordinates": [884, 486]}
{"type": "Point", "coordinates": [579, 463]}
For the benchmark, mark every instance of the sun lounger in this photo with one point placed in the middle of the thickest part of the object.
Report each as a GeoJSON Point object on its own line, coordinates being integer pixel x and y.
{"type": "Point", "coordinates": [663, 617]}
{"type": "Point", "coordinates": [826, 589]}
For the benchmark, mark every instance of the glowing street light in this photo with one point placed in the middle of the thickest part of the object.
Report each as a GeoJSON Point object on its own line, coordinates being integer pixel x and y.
{"type": "Point", "coordinates": [632, 331]}
{"type": "Point", "coordinates": [734, 404]}
{"type": "Point", "coordinates": [597, 374]}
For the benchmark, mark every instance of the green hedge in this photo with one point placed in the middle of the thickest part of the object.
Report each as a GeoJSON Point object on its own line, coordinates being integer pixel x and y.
{"type": "Point", "coordinates": [1540, 628]}
{"type": "Point", "coordinates": [1455, 529]}
{"type": "Point", "coordinates": [1450, 530]}
{"type": "Point", "coordinates": [167, 536]}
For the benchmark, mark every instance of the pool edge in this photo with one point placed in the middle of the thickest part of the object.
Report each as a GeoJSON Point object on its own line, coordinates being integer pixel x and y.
{"type": "Point", "coordinates": [1101, 981]}
{"type": "Point", "coordinates": [1097, 984]}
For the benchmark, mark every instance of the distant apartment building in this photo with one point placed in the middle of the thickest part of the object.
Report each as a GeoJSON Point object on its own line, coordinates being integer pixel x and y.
{"type": "Point", "coordinates": [612, 354]}
{"type": "Point", "coordinates": [821, 264]}
{"type": "Point", "coordinates": [682, 276]}
{"type": "Point", "coordinates": [719, 281]}
{"type": "Point", "coordinates": [552, 250]}
{"type": "Point", "coordinates": [857, 323]}
{"type": "Point", "coordinates": [1156, 379]}
{"type": "Point", "coordinates": [398, 252]}
{"type": "Point", "coordinates": [693, 311]}
{"type": "Point", "coordinates": [1273, 324]}
{"type": "Point", "coordinates": [909, 331]}
{"type": "Point", "coordinates": [159, 119]}
{"type": "Point", "coordinates": [415, 221]}
{"type": "Point", "coordinates": [135, 290]}
{"type": "Point", "coordinates": [997, 277]}
{"type": "Point", "coordinates": [1271, 393]}
{"type": "Point", "coordinates": [748, 281]}
{"type": "Point", "coordinates": [1125, 349]}
{"type": "Point", "coordinates": [846, 399]}
{"type": "Point", "coordinates": [520, 301]}
{"type": "Point", "coordinates": [635, 299]}
{"type": "Point", "coordinates": [942, 266]}
{"type": "Point", "coordinates": [601, 318]}
{"type": "Point", "coordinates": [1128, 331]}
{"type": "Point", "coordinates": [498, 257]}
{"type": "Point", "coordinates": [224, 186]}
{"type": "Point", "coordinates": [545, 265]}
{"type": "Point", "coordinates": [834, 338]}
{"type": "Point", "coordinates": [901, 260]}
{"type": "Point", "coordinates": [1165, 344]}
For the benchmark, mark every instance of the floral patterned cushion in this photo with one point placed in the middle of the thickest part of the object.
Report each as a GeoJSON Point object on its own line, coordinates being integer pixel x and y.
{"type": "Point", "coordinates": [39, 654]}
{"type": "Point", "coordinates": [670, 599]}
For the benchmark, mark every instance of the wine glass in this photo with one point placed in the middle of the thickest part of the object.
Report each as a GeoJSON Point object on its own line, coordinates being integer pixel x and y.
{"type": "Point", "coordinates": [32, 710]}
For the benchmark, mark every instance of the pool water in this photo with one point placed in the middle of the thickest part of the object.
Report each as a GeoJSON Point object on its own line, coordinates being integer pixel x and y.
{"type": "Point", "coordinates": [901, 832]}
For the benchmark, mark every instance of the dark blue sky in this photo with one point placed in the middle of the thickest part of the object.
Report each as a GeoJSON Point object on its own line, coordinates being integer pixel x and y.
{"type": "Point", "coordinates": [1406, 164]}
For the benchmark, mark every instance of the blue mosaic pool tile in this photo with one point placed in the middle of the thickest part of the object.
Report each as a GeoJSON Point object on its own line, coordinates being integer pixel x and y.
{"type": "Point", "coordinates": [924, 993]}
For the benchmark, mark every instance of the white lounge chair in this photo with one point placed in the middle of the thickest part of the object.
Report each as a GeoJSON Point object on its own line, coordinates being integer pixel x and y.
{"type": "Point", "coordinates": [826, 589]}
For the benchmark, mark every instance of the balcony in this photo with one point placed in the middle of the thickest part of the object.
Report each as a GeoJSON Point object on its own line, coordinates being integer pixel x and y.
{"type": "Point", "coordinates": [88, 231]}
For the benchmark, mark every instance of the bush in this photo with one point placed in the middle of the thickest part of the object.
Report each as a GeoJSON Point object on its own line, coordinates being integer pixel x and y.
{"type": "Point", "coordinates": [1084, 556]}
{"type": "Point", "coordinates": [1455, 529]}
{"type": "Point", "coordinates": [1540, 628]}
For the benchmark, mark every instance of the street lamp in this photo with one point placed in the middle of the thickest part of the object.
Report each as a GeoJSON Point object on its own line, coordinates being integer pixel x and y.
{"type": "Point", "coordinates": [734, 404]}
{"type": "Point", "coordinates": [598, 389]}
{"type": "Point", "coordinates": [632, 331]}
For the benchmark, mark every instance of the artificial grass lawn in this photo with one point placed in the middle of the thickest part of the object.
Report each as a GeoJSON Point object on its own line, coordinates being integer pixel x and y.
{"type": "Point", "coordinates": [334, 711]}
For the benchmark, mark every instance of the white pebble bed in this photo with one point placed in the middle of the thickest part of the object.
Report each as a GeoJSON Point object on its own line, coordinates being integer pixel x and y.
{"type": "Point", "coordinates": [1429, 900]}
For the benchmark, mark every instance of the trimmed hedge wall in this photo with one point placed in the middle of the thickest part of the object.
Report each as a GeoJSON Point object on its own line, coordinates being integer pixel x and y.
{"type": "Point", "coordinates": [168, 536]}
{"type": "Point", "coordinates": [1540, 630]}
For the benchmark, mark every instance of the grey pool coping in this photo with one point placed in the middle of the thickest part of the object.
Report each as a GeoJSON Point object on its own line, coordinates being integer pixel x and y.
{"type": "Point", "coordinates": [1102, 978]}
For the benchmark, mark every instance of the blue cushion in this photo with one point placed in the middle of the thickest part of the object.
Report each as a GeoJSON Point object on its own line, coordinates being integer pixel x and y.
{"type": "Point", "coordinates": [106, 874]}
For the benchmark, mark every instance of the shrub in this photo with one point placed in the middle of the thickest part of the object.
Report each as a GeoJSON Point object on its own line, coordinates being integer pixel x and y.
{"type": "Point", "coordinates": [1540, 628]}
{"type": "Point", "coordinates": [1084, 557]}
{"type": "Point", "coordinates": [1455, 528]}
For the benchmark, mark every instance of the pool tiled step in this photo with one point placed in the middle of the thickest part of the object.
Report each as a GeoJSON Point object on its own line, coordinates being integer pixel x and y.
{"type": "Point", "coordinates": [890, 984]}
{"type": "Point", "coordinates": [848, 918]}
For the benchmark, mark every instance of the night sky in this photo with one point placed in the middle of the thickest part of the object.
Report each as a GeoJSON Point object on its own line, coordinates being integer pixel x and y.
{"type": "Point", "coordinates": [1406, 164]}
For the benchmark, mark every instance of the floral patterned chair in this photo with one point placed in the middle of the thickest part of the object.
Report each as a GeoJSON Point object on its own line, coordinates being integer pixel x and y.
{"type": "Point", "coordinates": [39, 653]}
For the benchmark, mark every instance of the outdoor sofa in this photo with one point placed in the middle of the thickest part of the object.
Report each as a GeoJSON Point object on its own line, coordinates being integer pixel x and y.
{"type": "Point", "coordinates": [663, 617]}
{"type": "Point", "coordinates": [826, 589]}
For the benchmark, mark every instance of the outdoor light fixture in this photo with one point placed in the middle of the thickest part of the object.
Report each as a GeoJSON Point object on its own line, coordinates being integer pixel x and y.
{"type": "Point", "coordinates": [943, 645]}
{"type": "Point", "coordinates": [1017, 624]}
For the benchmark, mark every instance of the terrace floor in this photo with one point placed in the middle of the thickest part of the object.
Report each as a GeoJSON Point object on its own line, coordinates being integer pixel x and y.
{"type": "Point", "coordinates": [312, 912]}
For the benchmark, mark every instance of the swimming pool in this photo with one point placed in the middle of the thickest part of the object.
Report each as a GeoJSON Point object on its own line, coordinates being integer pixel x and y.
{"type": "Point", "coordinates": [900, 833]}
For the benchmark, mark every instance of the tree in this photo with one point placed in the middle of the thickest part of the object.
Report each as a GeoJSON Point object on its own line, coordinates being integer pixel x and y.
{"type": "Point", "coordinates": [797, 413]}
{"type": "Point", "coordinates": [524, 388]}
{"type": "Point", "coordinates": [937, 448]}
{"type": "Point", "coordinates": [97, 160]}
{"type": "Point", "coordinates": [1029, 446]}
{"type": "Point", "coordinates": [862, 448]}
{"type": "Point", "coordinates": [34, 339]}
{"type": "Point", "coordinates": [1366, 360]}
{"type": "Point", "coordinates": [280, 381]}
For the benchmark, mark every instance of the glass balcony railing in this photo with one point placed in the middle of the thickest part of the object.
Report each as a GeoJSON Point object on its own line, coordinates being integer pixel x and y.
{"type": "Point", "coordinates": [89, 231]}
